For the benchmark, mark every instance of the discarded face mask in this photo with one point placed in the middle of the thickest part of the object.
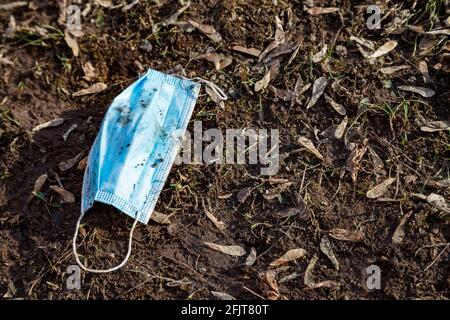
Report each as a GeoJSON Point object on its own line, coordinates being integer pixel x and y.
{"type": "Point", "coordinates": [136, 146]}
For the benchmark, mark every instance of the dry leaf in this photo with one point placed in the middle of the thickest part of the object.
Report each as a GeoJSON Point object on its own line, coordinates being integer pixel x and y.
{"type": "Point", "coordinates": [319, 56]}
{"type": "Point", "coordinates": [49, 124]}
{"type": "Point", "coordinates": [285, 95]}
{"type": "Point", "coordinates": [207, 30]}
{"type": "Point", "coordinates": [95, 88]}
{"type": "Point", "coordinates": [219, 224]}
{"type": "Point", "coordinates": [399, 233]}
{"type": "Point", "coordinates": [250, 51]}
{"type": "Point", "coordinates": [318, 89]}
{"type": "Point", "coordinates": [423, 68]}
{"type": "Point", "coordinates": [72, 43]}
{"type": "Point", "coordinates": [308, 278]}
{"type": "Point", "coordinates": [445, 32]}
{"type": "Point", "coordinates": [235, 251]}
{"type": "Point", "coordinates": [69, 131]}
{"type": "Point", "coordinates": [66, 195]}
{"type": "Point", "coordinates": [434, 126]}
{"type": "Point", "coordinates": [13, 5]}
{"type": "Point", "coordinates": [325, 247]}
{"type": "Point", "coordinates": [393, 69]}
{"type": "Point", "coordinates": [89, 72]}
{"type": "Point", "coordinates": [310, 147]}
{"type": "Point", "coordinates": [251, 257]}
{"type": "Point", "coordinates": [353, 161]}
{"type": "Point", "coordinates": [263, 83]}
{"type": "Point", "coordinates": [438, 201]}
{"type": "Point", "coordinates": [315, 11]}
{"type": "Point", "coordinates": [424, 92]}
{"type": "Point", "coordinates": [346, 235]}
{"type": "Point", "coordinates": [444, 183]}
{"type": "Point", "coordinates": [39, 183]}
{"type": "Point", "coordinates": [68, 164]}
{"type": "Point", "coordinates": [104, 3]}
{"type": "Point", "coordinates": [384, 49]}
{"type": "Point", "coordinates": [225, 63]}
{"type": "Point", "coordinates": [292, 212]}
{"type": "Point", "coordinates": [273, 292]}
{"type": "Point", "coordinates": [215, 97]}
{"type": "Point", "coordinates": [243, 194]}
{"type": "Point", "coordinates": [160, 218]}
{"type": "Point", "coordinates": [279, 32]}
{"type": "Point", "coordinates": [341, 128]}
{"type": "Point", "coordinates": [336, 106]}
{"type": "Point", "coordinates": [379, 189]}
{"type": "Point", "coordinates": [222, 295]}
{"type": "Point", "coordinates": [289, 256]}
{"type": "Point", "coordinates": [366, 43]}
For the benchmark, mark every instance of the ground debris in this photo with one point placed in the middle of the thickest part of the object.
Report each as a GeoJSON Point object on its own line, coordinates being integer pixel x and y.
{"type": "Point", "coordinates": [233, 250]}
{"type": "Point", "coordinates": [289, 256]}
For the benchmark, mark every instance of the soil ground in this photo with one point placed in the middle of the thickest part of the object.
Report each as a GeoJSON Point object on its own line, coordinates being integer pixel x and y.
{"type": "Point", "coordinates": [39, 73]}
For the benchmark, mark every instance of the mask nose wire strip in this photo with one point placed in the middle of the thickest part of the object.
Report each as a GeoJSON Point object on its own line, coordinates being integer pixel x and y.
{"type": "Point", "coordinates": [220, 93]}
{"type": "Point", "coordinates": [82, 266]}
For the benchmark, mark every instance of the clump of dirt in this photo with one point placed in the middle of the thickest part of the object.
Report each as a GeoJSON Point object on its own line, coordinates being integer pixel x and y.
{"type": "Point", "coordinates": [390, 84]}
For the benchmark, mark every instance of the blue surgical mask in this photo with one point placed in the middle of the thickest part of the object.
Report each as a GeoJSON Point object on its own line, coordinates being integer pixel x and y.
{"type": "Point", "coordinates": [136, 146]}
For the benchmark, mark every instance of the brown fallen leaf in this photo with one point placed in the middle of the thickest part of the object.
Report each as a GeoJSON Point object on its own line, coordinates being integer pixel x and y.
{"type": "Point", "coordinates": [315, 11]}
{"type": "Point", "coordinates": [269, 279]}
{"type": "Point", "coordinates": [399, 233]}
{"type": "Point", "coordinates": [82, 164]}
{"type": "Point", "coordinates": [308, 278]}
{"type": "Point", "coordinates": [68, 164]}
{"type": "Point", "coordinates": [393, 69]}
{"type": "Point", "coordinates": [285, 95]}
{"type": "Point", "coordinates": [13, 5]}
{"type": "Point", "coordinates": [49, 124]}
{"type": "Point", "coordinates": [71, 43]}
{"type": "Point", "coordinates": [95, 88]}
{"type": "Point", "coordinates": [289, 256]}
{"type": "Point", "coordinates": [212, 56]}
{"type": "Point", "coordinates": [434, 126]}
{"type": "Point", "coordinates": [279, 39]}
{"type": "Point", "coordinates": [236, 251]}
{"type": "Point", "coordinates": [39, 183]}
{"type": "Point", "coordinates": [219, 224]}
{"type": "Point", "coordinates": [319, 56]}
{"type": "Point", "coordinates": [336, 106]}
{"type": "Point", "coordinates": [384, 49]}
{"type": "Point", "coordinates": [104, 3]}
{"type": "Point", "coordinates": [225, 63]}
{"type": "Point", "coordinates": [222, 295]}
{"type": "Point", "coordinates": [250, 51]}
{"type": "Point", "coordinates": [380, 189]}
{"type": "Point", "coordinates": [302, 212]}
{"type": "Point", "coordinates": [325, 247]}
{"type": "Point", "coordinates": [363, 42]}
{"type": "Point", "coordinates": [346, 235]}
{"type": "Point", "coordinates": [67, 197]}
{"type": "Point", "coordinates": [423, 68]}
{"type": "Point", "coordinates": [160, 218]}
{"type": "Point", "coordinates": [310, 147]}
{"type": "Point", "coordinates": [318, 89]}
{"type": "Point", "coordinates": [207, 30]}
{"type": "Point", "coordinates": [444, 183]}
{"type": "Point", "coordinates": [215, 97]}
{"type": "Point", "coordinates": [243, 194]}
{"type": "Point", "coordinates": [251, 258]}
{"type": "Point", "coordinates": [263, 83]}
{"type": "Point", "coordinates": [445, 32]}
{"type": "Point", "coordinates": [424, 92]}
{"type": "Point", "coordinates": [353, 161]}
{"type": "Point", "coordinates": [274, 193]}
{"type": "Point", "coordinates": [89, 71]}
{"type": "Point", "coordinates": [341, 128]}
{"type": "Point", "coordinates": [438, 201]}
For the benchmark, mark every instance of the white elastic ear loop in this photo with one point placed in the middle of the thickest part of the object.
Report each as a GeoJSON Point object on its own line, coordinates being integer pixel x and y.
{"type": "Point", "coordinates": [82, 266]}
{"type": "Point", "coordinates": [220, 93]}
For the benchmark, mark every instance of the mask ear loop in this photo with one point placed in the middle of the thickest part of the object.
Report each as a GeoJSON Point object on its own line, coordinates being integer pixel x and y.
{"type": "Point", "coordinates": [217, 90]}
{"type": "Point", "coordinates": [82, 266]}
